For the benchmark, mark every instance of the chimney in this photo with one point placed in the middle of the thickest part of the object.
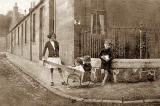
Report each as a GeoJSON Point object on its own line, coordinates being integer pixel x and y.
{"type": "Point", "coordinates": [15, 14]}
{"type": "Point", "coordinates": [25, 12]}
{"type": "Point", "coordinates": [15, 9]}
{"type": "Point", "coordinates": [34, 4]}
{"type": "Point", "coordinates": [30, 9]}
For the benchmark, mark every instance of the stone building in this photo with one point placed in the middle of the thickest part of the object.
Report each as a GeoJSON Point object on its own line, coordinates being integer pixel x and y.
{"type": "Point", "coordinates": [16, 16]}
{"type": "Point", "coordinates": [25, 38]}
{"type": "Point", "coordinates": [82, 25]}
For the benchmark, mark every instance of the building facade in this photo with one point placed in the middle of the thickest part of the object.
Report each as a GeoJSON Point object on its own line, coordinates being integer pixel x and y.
{"type": "Point", "coordinates": [27, 38]}
{"type": "Point", "coordinates": [82, 25]}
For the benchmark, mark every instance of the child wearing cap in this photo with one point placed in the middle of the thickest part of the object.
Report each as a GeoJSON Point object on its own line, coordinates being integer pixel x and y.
{"type": "Point", "coordinates": [106, 59]}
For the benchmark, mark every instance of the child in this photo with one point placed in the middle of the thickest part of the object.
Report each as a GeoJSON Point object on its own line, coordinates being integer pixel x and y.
{"type": "Point", "coordinates": [87, 64]}
{"type": "Point", "coordinates": [53, 56]}
{"type": "Point", "coordinates": [79, 67]}
{"type": "Point", "coordinates": [106, 58]}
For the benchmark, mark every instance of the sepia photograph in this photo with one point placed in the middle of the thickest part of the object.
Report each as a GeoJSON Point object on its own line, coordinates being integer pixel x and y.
{"type": "Point", "coordinates": [79, 53]}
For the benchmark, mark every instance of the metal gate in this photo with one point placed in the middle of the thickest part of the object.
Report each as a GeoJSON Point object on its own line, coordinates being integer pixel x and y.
{"type": "Point", "coordinates": [152, 43]}
{"type": "Point", "coordinates": [127, 43]}
{"type": "Point", "coordinates": [133, 43]}
{"type": "Point", "coordinates": [91, 44]}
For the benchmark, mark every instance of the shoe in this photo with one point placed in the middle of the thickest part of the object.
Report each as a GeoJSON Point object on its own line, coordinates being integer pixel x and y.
{"type": "Point", "coordinates": [52, 83]}
{"type": "Point", "coordinates": [64, 83]}
{"type": "Point", "coordinates": [102, 84]}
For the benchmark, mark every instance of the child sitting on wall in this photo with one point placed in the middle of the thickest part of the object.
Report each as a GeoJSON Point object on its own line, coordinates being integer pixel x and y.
{"type": "Point", "coordinates": [106, 60]}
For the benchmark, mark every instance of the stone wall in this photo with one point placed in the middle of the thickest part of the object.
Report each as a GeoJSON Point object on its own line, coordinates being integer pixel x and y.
{"type": "Point", "coordinates": [50, 22]}
{"type": "Point", "coordinates": [36, 44]}
{"type": "Point", "coordinates": [83, 11]}
{"type": "Point", "coordinates": [131, 12]}
{"type": "Point", "coordinates": [23, 31]}
{"type": "Point", "coordinates": [65, 29]}
{"type": "Point", "coordinates": [121, 13]}
{"type": "Point", "coordinates": [47, 19]}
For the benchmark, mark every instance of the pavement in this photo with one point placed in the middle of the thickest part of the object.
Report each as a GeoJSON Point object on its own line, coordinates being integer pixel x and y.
{"type": "Point", "coordinates": [18, 89]}
{"type": "Point", "coordinates": [113, 93]}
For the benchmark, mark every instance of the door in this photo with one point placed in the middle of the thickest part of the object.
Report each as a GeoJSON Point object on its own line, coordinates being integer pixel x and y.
{"type": "Point", "coordinates": [41, 34]}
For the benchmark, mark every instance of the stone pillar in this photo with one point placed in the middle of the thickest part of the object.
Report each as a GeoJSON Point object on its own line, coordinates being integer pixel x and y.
{"type": "Point", "coordinates": [142, 42]}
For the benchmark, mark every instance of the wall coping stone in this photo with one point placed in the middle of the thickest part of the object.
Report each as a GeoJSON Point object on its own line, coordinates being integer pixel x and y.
{"type": "Point", "coordinates": [129, 63]}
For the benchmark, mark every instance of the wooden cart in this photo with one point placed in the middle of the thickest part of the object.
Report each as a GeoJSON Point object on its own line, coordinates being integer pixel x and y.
{"type": "Point", "coordinates": [74, 76]}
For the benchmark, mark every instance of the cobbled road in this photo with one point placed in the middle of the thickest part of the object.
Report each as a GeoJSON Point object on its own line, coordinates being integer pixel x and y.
{"type": "Point", "coordinates": [18, 89]}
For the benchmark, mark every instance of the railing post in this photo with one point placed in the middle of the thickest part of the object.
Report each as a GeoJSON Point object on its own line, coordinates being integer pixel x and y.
{"type": "Point", "coordinates": [140, 43]}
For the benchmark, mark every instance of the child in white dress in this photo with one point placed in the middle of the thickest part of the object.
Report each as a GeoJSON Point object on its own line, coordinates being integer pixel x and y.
{"type": "Point", "coordinates": [79, 67]}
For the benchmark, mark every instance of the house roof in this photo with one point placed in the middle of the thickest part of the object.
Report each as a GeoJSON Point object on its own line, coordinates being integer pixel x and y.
{"type": "Point", "coordinates": [32, 10]}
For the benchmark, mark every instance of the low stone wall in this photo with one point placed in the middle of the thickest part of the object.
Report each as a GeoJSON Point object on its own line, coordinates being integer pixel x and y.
{"type": "Point", "coordinates": [131, 70]}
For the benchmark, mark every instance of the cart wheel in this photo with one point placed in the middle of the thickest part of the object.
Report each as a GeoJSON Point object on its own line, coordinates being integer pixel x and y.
{"type": "Point", "coordinates": [73, 80]}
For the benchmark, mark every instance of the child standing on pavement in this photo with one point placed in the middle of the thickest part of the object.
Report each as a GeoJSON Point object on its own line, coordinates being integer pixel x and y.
{"type": "Point", "coordinates": [106, 59]}
{"type": "Point", "coordinates": [53, 56]}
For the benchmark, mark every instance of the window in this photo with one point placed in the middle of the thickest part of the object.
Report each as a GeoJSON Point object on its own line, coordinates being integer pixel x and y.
{"type": "Point", "coordinates": [25, 33]}
{"type": "Point", "coordinates": [22, 34]}
{"type": "Point", "coordinates": [40, 32]}
{"type": "Point", "coordinates": [94, 23]}
{"type": "Point", "coordinates": [15, 37]}
{"type": "Point", "coordinates": [34, 25]}
{"type": "Point", "coordinates": [97, 23]}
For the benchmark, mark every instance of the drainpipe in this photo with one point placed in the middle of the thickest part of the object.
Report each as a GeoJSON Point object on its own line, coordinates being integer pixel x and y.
{"type": "Point", "coordinates": [142, 42]}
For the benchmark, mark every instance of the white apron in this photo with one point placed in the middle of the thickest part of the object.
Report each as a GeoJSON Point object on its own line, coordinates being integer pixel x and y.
{"type": "Point", "coordinates": [55, 60]}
